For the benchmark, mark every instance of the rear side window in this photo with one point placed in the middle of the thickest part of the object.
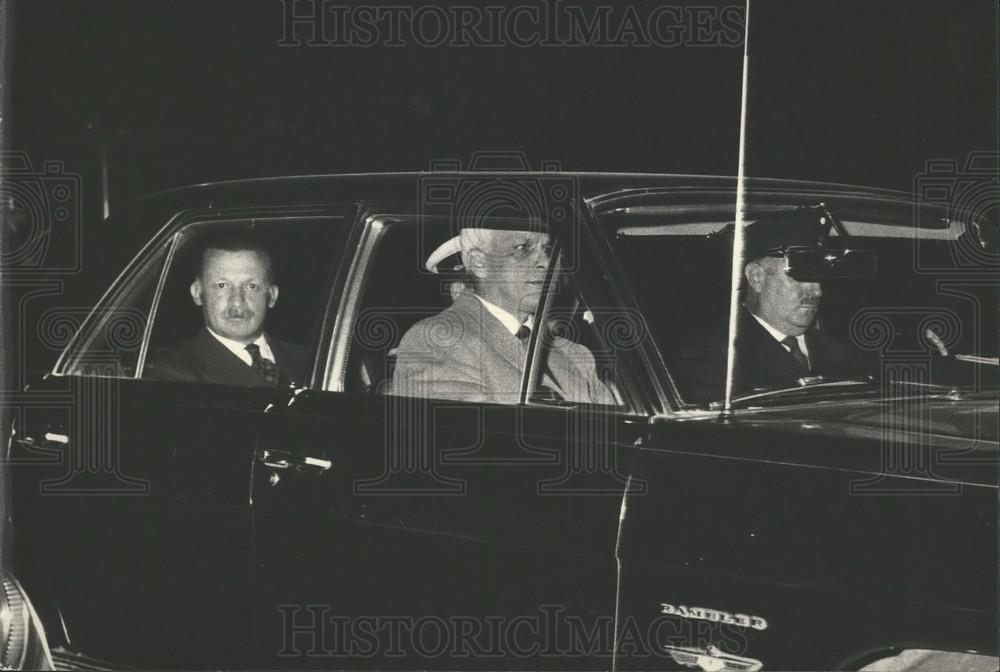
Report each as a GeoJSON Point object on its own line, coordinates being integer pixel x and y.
{"type": "Point", "coordinates": [398, 292]}
{"type": "Point", "coordinates": [212, 289]}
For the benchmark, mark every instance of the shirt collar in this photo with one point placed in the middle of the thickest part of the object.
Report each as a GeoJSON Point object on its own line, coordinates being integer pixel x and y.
{"type": "Point", "coordinates": [778, 335]}
{"type": "Point", "coordinates": [506, 319]}
{"type": "Point", "coordinates": [240, 349]}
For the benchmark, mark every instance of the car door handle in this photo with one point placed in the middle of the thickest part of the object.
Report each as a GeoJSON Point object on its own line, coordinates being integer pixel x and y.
{"type": "Point", "coordinates": [52, 436]}
{"type": "Point", "coordinates": [283, 459]}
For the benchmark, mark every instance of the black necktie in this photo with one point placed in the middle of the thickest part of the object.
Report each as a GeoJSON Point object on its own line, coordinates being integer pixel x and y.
{"type": "Point", "coordinates": [545, 392]}
{"type": "Point", "coordinates": [265, 367]}
{"type": "Point", "coordinates": [800, 358]}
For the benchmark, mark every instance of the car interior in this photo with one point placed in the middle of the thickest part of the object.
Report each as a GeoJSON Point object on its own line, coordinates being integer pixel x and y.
{"type": "Point", "coordinates": [399, 292]}
{"type": "Point", "coordinates": [689, 276]}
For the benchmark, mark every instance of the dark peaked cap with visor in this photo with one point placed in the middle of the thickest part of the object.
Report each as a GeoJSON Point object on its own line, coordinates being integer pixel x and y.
{"type": "Point", "coordinates": [477, 234]}
{"type": "Point", "coordinates": [804, 227]}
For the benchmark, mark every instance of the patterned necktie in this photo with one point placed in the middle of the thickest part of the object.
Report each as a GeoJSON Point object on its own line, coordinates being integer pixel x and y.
{"type": "Point", "coordinates": [545, 392]}
{"type": "Point", "coordinates": [800, 358]}
{"type": "Point", "coordinates": [265, 367]}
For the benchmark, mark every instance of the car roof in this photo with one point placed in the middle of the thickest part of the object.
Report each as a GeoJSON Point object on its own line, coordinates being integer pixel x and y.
{"type": "Point", "coordinates": [394, 185]}
{"type": "Point", "coordinates": [705, 197]}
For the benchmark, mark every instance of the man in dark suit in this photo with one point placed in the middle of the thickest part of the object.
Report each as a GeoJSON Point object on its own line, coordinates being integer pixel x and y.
{"type": "Point", "coordinates": [475, 349]}
{"type": "Point", "coordinates": [778, 341]}
{"type": "Point", "coordinates": [234, 288]}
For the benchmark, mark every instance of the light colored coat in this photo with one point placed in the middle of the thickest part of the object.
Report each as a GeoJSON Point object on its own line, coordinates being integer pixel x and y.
{"type": "Point", "coordinates": [464, 353]}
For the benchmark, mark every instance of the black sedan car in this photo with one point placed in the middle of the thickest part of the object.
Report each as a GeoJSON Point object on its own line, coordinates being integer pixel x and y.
{"type": "Point", "coordinates": [841, 520]}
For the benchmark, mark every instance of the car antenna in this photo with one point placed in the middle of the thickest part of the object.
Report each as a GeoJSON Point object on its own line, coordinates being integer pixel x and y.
{"type": "Point", "coordinates": [739, 234]}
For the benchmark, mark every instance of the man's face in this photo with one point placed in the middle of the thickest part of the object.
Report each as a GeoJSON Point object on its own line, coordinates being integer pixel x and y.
{"type": "Point", "coordinates": [511, 267]}
{"type": "Point", "coordinates": [783, 302]}
{"type": "Point", "coordinates": [235, 291]}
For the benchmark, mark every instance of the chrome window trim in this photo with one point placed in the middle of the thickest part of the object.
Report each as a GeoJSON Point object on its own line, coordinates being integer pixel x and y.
{"type": "Point", "coordinates": [117, 287]}
{"type": "Point", "coordinates": [154, 306]}
{"type": "Point", "coordinates": [336, 370]}
{"type": "Point", "coordinates": [531, 376]}
{"type": "Point", "coordinates": [654, 366]}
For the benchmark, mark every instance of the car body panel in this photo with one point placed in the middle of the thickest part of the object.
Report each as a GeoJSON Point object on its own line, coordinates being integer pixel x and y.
{"type": "Point", "coordinates": [415, 523]}
{"type": "Point", "coordinates": [161, 544]}
{"type": "Point", "coordinates": [809, 547]}
{"type": "Point", "coordinates": [849, 521]}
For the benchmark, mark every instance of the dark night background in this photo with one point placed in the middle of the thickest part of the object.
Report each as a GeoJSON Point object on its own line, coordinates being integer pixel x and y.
{"type": "Point", "coordinates": [187, 91]}
{"type": "Point", "coordinates": [193, 90]}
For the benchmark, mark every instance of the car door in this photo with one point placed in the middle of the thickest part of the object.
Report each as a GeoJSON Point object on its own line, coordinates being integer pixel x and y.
{"type": "Point", "coordinates": [132, 497]}
{"type": "Point", "coordinates": [401, 531]}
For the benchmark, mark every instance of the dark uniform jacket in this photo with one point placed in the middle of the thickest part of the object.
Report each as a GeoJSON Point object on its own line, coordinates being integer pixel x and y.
{"type": "Point", "coordinates": [699, 365]}
{"type": "Point", "coordinates": [204, 359]}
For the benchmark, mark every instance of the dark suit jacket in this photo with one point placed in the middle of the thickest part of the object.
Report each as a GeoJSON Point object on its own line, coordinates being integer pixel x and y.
{"type": "Point", "coordinates": [699, 365]}
{"type": "Point", "coordinates": [204, 359]}
{"type": "Point", "coordinates": [465, 353]}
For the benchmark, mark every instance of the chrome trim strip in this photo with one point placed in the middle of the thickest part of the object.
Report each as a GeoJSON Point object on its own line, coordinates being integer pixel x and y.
{"type": "Point", "coordinates": [532, 364]}
{"type": "Point", "coordinates": [648, 352]}
{"type": "Point", "coordinates": [114, 288]}
{"type": "Point", "coordinates": [336, 370]}
{"type": "Point", "coordinates": [154, 306]}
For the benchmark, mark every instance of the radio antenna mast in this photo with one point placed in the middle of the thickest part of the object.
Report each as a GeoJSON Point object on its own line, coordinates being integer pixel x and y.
{"type": "Point", "coordinates": [739, 235]}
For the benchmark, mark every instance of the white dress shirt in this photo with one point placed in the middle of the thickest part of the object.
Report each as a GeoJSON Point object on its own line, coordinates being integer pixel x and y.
{"type": "Point", "coordinates": [240, 349]}
{"type": "Point", "coordinates": [513, 326]}
{"type": "Point", "coordinates": [506, 319]}
{"type": "Point", "coordinates": [779, 337]}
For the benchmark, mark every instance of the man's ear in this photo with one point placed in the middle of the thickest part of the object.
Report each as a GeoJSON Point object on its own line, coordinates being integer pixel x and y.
{"type": "Point", "coordinates": [196, 291]}
{"type": "Point", "coordinates": [272, 296]}
{"type": "Point", "coordinates": [477, 263]}
{"type": "Point", "coordinates": [754, 274]}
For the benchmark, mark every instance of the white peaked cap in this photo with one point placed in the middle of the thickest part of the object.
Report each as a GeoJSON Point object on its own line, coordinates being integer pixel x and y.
{"type": "Point", "coordinates": [477, 237]}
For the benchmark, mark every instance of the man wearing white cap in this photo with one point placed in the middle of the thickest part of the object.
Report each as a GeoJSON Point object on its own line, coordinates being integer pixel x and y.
{"type": "Point", "coordinates": [475, 349]}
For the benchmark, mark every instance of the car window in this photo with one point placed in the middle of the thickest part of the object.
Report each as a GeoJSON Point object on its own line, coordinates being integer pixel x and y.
{"type": "Point", "coordinates": [266, 275]}
{"type": "Point", "coordinates": [853, 330]}
{"type": "Point", "coordinates": [242, 289]}
{"type": "Point", "coordinates": [397, 293]}
{"type": "Point", "coordinates": [419, 333]}
{"type": "Point", "coordinates": [576, 361]}
{"type": "Point", "coordinates": [110, 340]}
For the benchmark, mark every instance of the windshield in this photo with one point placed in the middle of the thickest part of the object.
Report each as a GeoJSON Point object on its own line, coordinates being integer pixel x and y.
{"type": "Point", "coordinates": [918, 311]}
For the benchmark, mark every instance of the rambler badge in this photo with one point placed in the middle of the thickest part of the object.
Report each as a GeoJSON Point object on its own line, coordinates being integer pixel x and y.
{"type": "Point", "coordinates": [704, 614]}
